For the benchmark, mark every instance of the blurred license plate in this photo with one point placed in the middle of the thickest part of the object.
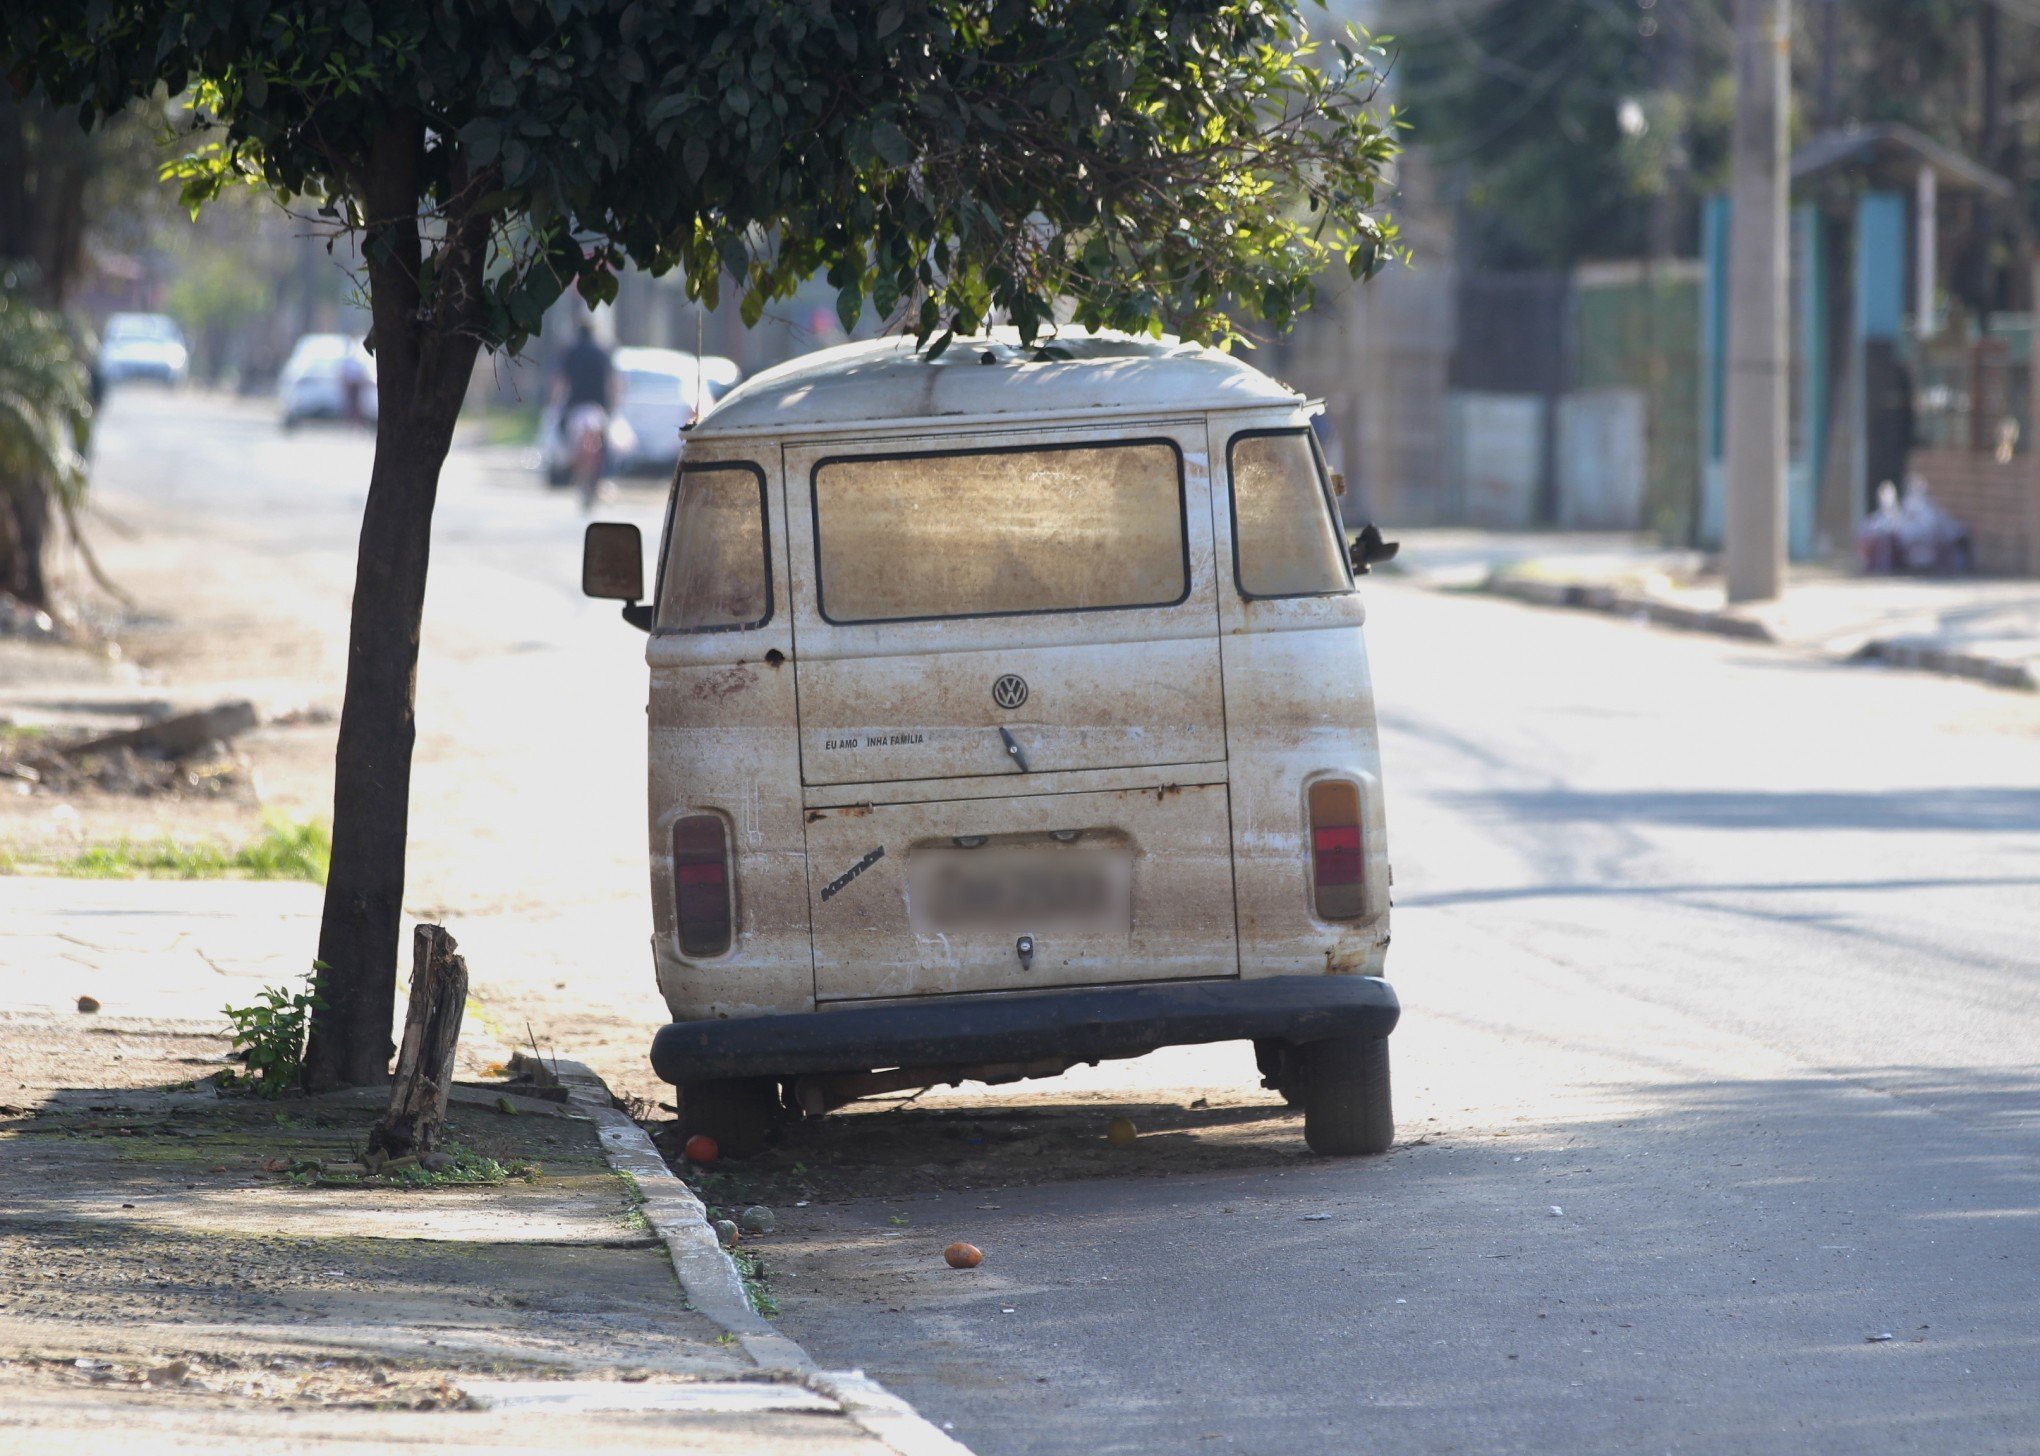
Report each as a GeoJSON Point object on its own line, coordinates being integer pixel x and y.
{"type": "Point", "coordinates": [1022, 890]}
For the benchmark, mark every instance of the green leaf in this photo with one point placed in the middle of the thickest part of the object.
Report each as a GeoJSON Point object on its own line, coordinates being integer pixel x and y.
{"type": "Point", "coordinates": [885, 294]}
{"type": "Point", "coordinates": [849, 305]}
{"type": "Point", "coordinates": [526, 310]}
{"type": "Point", "coordinates": [891, 144]}
{"type": "Point", "coordinates": [483, 139]}
{"type": "Point", "coordinates": [517, 161]}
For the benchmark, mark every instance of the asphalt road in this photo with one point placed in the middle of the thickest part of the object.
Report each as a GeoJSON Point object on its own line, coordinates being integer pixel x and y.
{"type": "Point", "coordinates": [1717, 1056]}
{"type": "Point", "coordinates": [1721, 1003]}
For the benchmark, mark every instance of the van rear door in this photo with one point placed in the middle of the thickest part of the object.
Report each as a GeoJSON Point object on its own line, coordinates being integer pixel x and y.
{"type": "Point", "coordinates": [1012, 724]}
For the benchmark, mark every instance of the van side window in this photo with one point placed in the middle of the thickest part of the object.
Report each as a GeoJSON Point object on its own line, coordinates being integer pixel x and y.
{"type": "Point", "coordinates": [1287, 541]}
{"type": "Point", "coordinates": [1057, 528]}
{"type": "Point", "coordinates": [718, 558]}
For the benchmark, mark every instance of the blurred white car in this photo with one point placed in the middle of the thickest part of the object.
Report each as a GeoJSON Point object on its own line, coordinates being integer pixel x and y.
{"type": "Point", "coordinates": [657, 392]}
{"type": "Point", "coordinates": [313, 384]}
{"type": "Point", "coordinates": [723, 375]}
{"type": "Point", "coordinates": [143, 346]}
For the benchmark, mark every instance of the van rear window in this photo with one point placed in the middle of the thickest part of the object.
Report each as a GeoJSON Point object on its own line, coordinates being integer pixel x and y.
{"type": "Point", "coordinates": [1287, 541]}
{"type": "Point", "coordinates": [1066, 528]}
{"type": "Point", "coordinates": [718, 568]}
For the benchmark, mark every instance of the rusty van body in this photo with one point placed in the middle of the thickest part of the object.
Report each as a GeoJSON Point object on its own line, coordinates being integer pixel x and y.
{"type": "Point", "coordinates": [1009, 711]}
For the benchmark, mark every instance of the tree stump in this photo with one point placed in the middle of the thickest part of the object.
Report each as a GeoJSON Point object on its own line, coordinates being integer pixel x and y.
{"type": "Point", "coordinates": [417, 1111]}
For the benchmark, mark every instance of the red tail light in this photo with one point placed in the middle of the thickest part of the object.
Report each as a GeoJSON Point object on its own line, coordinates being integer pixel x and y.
{"type": "Point", "coordinates": [1338, 880]}
{"type": "Point", "coordinates": [701, 884]}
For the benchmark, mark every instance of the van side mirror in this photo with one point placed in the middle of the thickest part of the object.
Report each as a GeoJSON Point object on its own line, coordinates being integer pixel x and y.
{"type": "Point", "coordinates": [613, 569]}
{"type": "Point", "coordinates": [1368, 548]}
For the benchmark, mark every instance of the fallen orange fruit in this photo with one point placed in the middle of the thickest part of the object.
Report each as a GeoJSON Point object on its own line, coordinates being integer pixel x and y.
{"type": "Point", "coordinates": [1121, 1133]}
{"type": "Point", "coordinates": [963, 1256]}
{"type": "Point", "coordinates": [701, 1148]}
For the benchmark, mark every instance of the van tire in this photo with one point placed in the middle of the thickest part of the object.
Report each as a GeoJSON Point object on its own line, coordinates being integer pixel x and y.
{"type": "Point", "coordinates": [1346, 1105]}
{"type": "Point", "coordinates": [740, 1113]}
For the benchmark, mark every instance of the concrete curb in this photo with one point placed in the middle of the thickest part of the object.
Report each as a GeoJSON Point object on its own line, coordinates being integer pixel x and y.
{"type": "Point", "coordinates": [1997, 671]}
{"type": "Point", "coordinates": [1591, 598]}
{"type": "Point", "coordinates": [1895, 652]}
{"type": "Point", "coordinates": [710, 1281]}
{"type": "Point", "coordinates": [884, 1415]}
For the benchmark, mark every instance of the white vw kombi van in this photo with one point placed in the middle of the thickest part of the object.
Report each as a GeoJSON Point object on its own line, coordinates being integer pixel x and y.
{"type": "Point", "coordinates": [1009, 710]}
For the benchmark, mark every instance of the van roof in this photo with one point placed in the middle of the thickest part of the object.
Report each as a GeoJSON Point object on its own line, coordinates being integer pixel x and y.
{"type": "Point", "coordinates": [889, 382]}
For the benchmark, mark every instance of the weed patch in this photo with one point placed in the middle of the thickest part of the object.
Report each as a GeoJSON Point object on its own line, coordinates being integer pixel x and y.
{"type": "Point", "coordinates": [270, 1036]}
{"type": "Point", "coordinates": [753, 1274]}
{"type": "Point", "coordinates": [282, 852]}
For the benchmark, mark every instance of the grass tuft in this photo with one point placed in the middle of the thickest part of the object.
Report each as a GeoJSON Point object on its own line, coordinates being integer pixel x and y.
{"type": "Point", "coordinates": [753, 1279]}
{"type": "Point", "coordinates": [282, 852]}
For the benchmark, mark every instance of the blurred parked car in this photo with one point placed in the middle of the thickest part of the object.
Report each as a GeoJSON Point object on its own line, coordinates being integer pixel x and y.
{"type": "Point", "coordinates": [657, 393]}
{"type": "Point", "coordinates": [723, 375]}
{"type": "Point", "coordinates": [143, 346]}
{"type": "Point", "coordinates": [314, 381]}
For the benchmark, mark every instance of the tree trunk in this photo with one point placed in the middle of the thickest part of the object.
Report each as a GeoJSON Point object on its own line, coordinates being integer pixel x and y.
{"type": "Point", "coordinates": [425, 351]}
{"type": "Point", "coordinates": [24, 537]}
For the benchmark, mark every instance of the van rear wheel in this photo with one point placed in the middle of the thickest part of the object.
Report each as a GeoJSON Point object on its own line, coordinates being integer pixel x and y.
{"type": "Point", "coordinates": [740, 1113]}
{"type": "Point", "coordinates": [1346, 1106]}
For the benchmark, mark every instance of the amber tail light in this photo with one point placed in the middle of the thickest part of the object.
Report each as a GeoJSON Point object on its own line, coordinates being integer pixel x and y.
{"type": "Point", "coordinates": [1338, 881]}
{"type": "Point", "coordinates": [701, 884]}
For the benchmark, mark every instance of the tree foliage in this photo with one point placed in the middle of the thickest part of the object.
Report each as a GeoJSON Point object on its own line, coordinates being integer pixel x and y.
{"type": "Point", "coordinates": [58, 184]}
{"type": "Point", "coordinates": [1561, 124]}
{"type": "Point", "coordinates": [1966, 75]}
{"type": "Point", "coordinates": [1154, 163]}
{"type": "Point", "coordinates": [45, 400]}
{"type": "Point", "coordinates": [1522, 105]}
{"type": "Point", "coordinates": [45, 421]}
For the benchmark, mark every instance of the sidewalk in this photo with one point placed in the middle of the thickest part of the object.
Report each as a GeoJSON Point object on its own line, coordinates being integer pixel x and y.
{"type": "Point", "coordinates": [181, 1270]}
{"type": "Point", "coordinates": [1987, 629]}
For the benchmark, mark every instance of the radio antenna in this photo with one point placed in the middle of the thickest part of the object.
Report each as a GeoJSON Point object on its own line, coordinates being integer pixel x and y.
{"type": "Point", "coordinates": [700, 367]}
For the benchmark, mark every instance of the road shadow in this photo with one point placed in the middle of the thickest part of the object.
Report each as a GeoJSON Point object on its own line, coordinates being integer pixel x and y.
{"type": "Point", "coordinates": [891, 1149]}
{"type": "Point", "coordinates": [1968, 810]}
{"type": "Point", "coordinates": [1651, 889]}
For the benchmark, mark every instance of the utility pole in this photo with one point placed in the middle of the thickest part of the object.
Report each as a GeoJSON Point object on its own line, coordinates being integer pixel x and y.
{"type": "Point", "coordinates": [1758, 312]}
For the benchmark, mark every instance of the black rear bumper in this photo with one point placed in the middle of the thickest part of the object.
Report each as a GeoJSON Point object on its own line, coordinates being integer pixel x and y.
{"type": "Point", "coordinates": [1109, 1021]}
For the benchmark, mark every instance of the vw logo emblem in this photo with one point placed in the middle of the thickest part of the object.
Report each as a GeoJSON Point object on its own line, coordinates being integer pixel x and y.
{"type": "Point", "coordinates": [1010, 691]}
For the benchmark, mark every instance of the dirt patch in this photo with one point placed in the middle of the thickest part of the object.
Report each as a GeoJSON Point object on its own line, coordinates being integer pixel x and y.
{"type": "Point", "coordinates": [286, 1381]}
{"type": "Point", "coordinates": [42, 764]}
